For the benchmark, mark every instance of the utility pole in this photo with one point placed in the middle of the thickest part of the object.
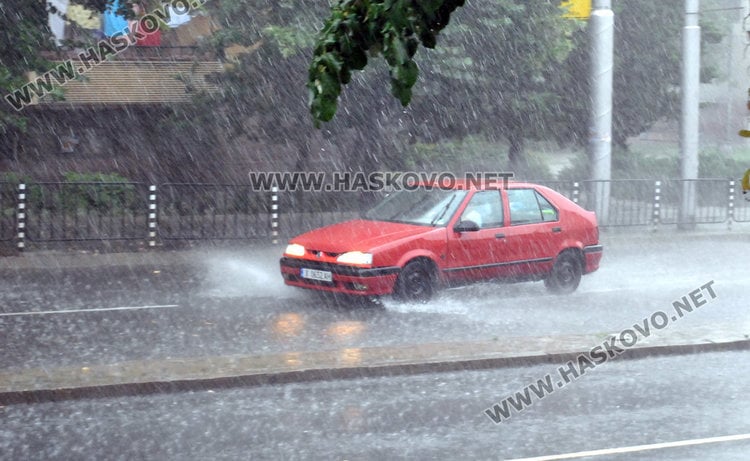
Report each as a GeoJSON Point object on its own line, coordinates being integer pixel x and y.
{"type": "Point", "coordinates": [689, 126]}
{"type": "Point", "coordinates": [601, 29]}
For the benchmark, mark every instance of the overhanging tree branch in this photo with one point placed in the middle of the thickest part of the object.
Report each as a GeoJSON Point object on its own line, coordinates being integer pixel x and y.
{"type": "Point", "coordinates": [356, 28]}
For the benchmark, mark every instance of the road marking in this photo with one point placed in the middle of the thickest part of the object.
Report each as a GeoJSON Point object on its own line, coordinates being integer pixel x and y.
{"type": "Point", "coordinates": [77, 311]}
{"type": "Point", "coordinates": [653, 446]}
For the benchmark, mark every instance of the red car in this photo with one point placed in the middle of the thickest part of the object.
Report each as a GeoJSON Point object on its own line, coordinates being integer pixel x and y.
{"type": "Point", "coordinates": [415, 241]}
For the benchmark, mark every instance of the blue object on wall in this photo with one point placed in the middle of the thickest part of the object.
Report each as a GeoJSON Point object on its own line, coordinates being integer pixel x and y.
{"type": "Point", "coordinates": [112, 23]}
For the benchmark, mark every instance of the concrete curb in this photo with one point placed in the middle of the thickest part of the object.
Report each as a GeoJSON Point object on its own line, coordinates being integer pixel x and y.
{"type": "Point", "coordinates": [186, 375]}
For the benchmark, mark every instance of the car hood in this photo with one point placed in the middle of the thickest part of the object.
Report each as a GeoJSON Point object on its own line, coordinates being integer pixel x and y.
{"type": "Point", "coordinates": [358, 235]}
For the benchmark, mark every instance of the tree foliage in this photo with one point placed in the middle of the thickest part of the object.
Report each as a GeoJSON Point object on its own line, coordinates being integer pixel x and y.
{"type": "Point", "coordinates": [356, 28]}
{"type": "Point", "coordinates": [265, 80]}
{"type": "Point", "coordinates": [264, 97]}
{"type": "Point", "coordinates": [509, 68]}
{"type": "Point", "coordinates": [494, 72]}
{"type": "Point", "coordinates": [24, 34]}
{"type": "Point", "coordinates": [497, 70]}
{"type": "Point", "coordinates": [646, 84]}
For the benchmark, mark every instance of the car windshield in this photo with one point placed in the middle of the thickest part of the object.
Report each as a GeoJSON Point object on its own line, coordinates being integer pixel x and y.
{"type": "Point", "coordinates": [423, 206]}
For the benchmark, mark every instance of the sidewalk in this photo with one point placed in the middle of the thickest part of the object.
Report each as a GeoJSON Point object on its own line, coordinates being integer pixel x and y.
{"type": "Point", "coordinates": [191, 374]}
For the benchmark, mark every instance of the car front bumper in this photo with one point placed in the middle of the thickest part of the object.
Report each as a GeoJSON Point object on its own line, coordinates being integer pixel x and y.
{"type": "Point", "coordinates": [345, 279]}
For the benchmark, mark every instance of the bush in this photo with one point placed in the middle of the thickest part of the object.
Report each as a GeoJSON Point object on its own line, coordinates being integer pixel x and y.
{"type": "Point", "coordinates": [577, 171]}
{"type": "Point", "coordinates": [637, 165]}
{"type": "Point", "coordinates": [714, 164]}
{"type": "Point", "coordinates": [628, 164]}
{"type": "Point", "coordinates": [97, 191]}
{"type": "Point", "coordinates": [472, 154]}
{"type": "Point", "coordinates": [11, 181]}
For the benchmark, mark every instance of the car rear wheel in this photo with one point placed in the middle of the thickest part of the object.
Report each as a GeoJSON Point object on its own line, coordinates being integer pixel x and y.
{"type": "Point", "coordinates": [415, 282]}
{"type": "Point", "coordinates": [566, 274]}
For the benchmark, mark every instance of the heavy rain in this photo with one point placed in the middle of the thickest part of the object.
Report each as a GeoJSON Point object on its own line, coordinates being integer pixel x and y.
{"type": "Point", "coordinates": [189, 270]}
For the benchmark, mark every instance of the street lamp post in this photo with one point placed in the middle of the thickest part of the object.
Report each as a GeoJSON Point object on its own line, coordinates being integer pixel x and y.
{"type": "Point", "coordinates": [601, 28]}
{"type": "Point", "coordinates": [689, 126]}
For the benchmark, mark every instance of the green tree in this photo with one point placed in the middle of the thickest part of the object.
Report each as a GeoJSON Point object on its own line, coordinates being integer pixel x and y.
{"type": "Point", "coordinates": [496, 73]}
{"type": "Point", "coordinates": [493, 73]}
{"type": "Point", "coordinates": [512, 69]}
{"type": "Point", "coordinates": [646, 84]}
{"type": "Point", "coordinates": [263, 86]}
{"type": "Point", "coordinates": [393, 28]}
{"type": "Point", "coordinates": [264, 90]}
{"type": "Point", "coordinates": [24, 35]}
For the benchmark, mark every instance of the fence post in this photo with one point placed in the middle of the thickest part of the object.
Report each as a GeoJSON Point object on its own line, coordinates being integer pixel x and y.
{"type": "Point", "coordinates": [657, 204]}
{"type": "Point", "coordinates": [152, 222]}
{"type": "Point", "coordinates": [21, 217]}
{"type": "Point", "coordinates": [576, 188]}
{"type": "Point", "coordinates": [275, 215]}
{"type": "Point", "coordinates": [730, 205]}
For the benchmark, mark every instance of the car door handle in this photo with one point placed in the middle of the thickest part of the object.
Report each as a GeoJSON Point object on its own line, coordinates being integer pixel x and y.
{"type": "Point", "coordinates": [556, 229]}
{"type": "Point", "coordinates": [499, 236]}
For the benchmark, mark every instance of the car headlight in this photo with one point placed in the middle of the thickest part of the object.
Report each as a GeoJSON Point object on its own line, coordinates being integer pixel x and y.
{"type": "Point", "coordinates": [355, 257]}
{"type": "Point", "coordinates": [295, 249]}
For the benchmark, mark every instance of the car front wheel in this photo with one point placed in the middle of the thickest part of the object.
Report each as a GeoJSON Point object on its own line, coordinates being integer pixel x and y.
{"type": "Point", "coordinates": [565, 275]}
{"type": "Point", "coordinates": [415, 282]}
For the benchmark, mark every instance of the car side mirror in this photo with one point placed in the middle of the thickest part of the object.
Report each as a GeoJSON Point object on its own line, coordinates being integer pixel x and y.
{"type": "Point", "coordinates": [466, 226]}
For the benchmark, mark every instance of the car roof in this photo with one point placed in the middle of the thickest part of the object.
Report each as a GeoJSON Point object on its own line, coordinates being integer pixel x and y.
{"type": "Point", "coordinates": [499, 183]}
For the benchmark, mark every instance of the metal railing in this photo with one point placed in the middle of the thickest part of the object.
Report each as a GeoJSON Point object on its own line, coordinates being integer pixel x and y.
{"type": "Point", "coordinates": [632, 202]}
{"type": "Point", "coordinates": [303, 211]}
{"type": "Point", "coordinates": [90, 211]}
{"type": "Point", "coordinates": [85, 211]}
{"type": "Point", "coordinates": [712, 200]}
{"type": "Point", "coordinates": [212, 212]}
{"type": "Point", "coordinates": [643, 202]}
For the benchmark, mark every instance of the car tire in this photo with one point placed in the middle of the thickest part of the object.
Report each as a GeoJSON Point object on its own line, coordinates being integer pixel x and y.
{"type": "Point", "coordinates": [566, 274]}
{"type": "Point", "coordinates": [416, 282]}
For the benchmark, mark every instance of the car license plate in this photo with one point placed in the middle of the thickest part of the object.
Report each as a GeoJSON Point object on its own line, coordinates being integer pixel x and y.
{"type": "Point", "coordinates": [314, 274]}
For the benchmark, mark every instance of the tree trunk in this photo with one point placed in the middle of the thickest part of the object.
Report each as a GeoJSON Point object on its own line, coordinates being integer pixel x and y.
{"type": "Point", "coordinates": [516, 155]}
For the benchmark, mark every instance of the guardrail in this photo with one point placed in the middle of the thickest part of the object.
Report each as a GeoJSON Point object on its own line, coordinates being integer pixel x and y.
{"type": "Point", "coordinates": [90, 211]}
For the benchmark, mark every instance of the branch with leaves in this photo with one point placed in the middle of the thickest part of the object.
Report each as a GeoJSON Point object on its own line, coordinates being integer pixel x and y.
{"type": "Point", "coordinates": [356, 28]}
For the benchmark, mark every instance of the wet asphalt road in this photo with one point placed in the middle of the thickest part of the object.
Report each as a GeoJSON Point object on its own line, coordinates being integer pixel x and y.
{"type": "Point", "coordinates": [233, 302]}
{"type": "Point", "coordinates": [423, 417]}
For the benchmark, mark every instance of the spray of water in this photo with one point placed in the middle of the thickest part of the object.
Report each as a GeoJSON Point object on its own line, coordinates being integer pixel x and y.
{"type": "Point", "coordinates": [254, 274]}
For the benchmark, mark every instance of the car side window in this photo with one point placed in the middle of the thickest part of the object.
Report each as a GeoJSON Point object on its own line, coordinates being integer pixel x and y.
{"type": "Point", "coordinates": [485, 208]}
{"type": "Point", "coordinates": [549, 213]}
{"type": "Point", "coordinates": [527, 206]}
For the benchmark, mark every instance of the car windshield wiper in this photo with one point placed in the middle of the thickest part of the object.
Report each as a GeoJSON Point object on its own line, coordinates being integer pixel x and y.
{"type": "Point", "coordinates": [443, 211]}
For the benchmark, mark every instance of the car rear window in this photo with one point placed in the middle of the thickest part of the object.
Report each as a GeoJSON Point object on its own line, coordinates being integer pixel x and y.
{"type": "Point", "coordinates": [528, 206]}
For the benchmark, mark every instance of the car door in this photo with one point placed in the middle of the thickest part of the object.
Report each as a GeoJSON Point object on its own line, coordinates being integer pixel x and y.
{"type": "Point", "coordinates": [478, 253]}
{"type": "Point", "coordinates": [534, 234]}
